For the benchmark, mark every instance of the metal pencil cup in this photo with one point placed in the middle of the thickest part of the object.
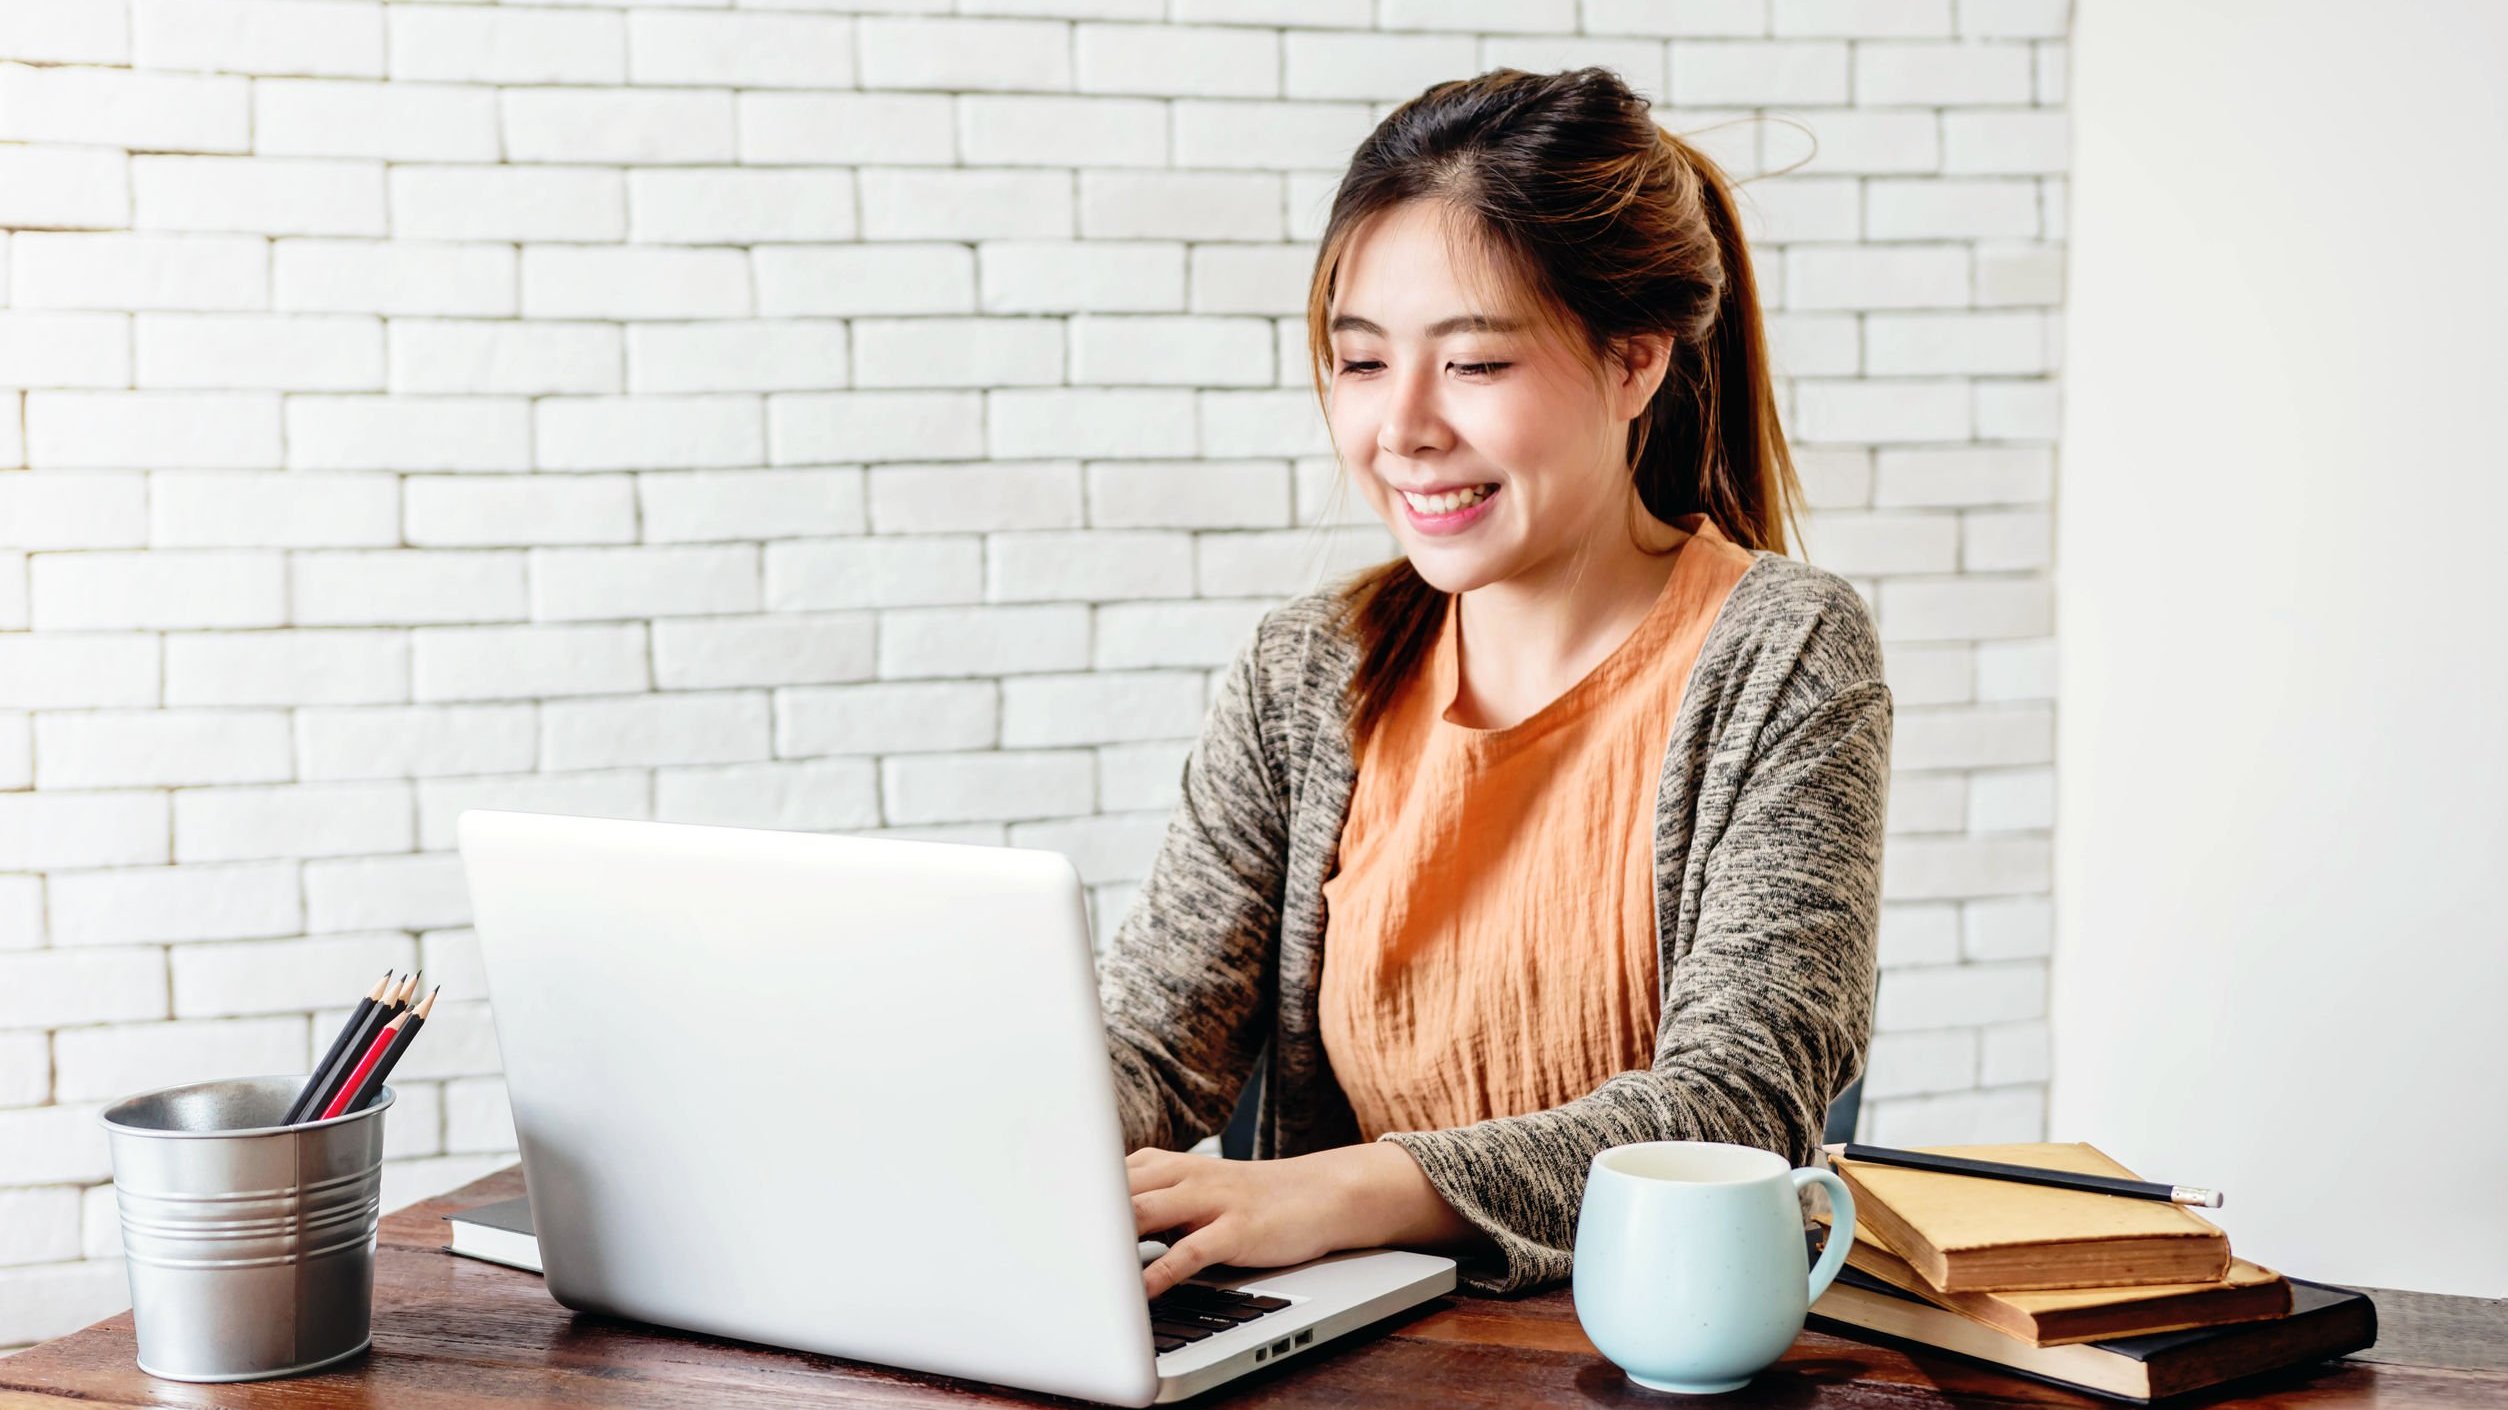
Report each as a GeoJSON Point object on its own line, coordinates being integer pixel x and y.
{"type": "Point", "coordinates": [249, 1245]}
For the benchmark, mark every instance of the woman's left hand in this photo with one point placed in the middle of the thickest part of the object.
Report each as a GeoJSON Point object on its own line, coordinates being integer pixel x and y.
{"type": "Point", "coordinates": [1253, 1213]}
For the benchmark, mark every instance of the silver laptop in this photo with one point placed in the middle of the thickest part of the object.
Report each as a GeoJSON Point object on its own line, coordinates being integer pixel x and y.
{"type": "Point", "coordinates": [851, 1095]}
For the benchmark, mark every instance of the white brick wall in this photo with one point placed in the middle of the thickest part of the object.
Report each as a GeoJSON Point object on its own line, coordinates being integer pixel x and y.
{"type": "Point", "coordinates": [782, 416]}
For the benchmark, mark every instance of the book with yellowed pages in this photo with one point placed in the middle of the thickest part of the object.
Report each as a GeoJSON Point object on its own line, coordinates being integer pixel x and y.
{"type": "Point", "coordinates": [1965, 1233]}
{"type": "Point", "coordinates": [2061, 1316]}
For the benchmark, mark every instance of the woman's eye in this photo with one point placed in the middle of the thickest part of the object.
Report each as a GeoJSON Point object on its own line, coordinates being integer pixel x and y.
{"type": "Point", "coordinates": [1474, 369]}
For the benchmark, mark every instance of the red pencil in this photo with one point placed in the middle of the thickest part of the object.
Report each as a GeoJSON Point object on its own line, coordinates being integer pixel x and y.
{"type": "Point", "coordinates": [374, 1054]}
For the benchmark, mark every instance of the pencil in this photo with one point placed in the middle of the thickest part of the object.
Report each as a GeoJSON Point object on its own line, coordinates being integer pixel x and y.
{"type": "Point", "coordinates": [373, 1085]}
{"type": "Point", "coordinates": [326, 1081]}
{"type": "Point", "coordinates": [339, 1044]}
{"type": "Point", "coordinates": [374, 1054]}
{"type": "Point", "coordinates": [2028, 1174]}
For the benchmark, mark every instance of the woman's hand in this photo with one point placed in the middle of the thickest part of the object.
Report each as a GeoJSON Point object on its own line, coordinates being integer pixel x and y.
{"type": "Point", "coordinates": [1270, 1213]}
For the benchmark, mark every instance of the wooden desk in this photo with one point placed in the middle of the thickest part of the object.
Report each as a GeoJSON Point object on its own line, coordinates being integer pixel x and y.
{"type": "Point", "coordinates": [454, 1331]}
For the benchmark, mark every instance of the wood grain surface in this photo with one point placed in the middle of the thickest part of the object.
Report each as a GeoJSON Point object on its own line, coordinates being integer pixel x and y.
{"type": "Point", "coordinates": [458, 1332]}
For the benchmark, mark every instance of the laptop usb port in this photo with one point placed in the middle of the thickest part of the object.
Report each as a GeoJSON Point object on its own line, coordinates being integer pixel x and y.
{"type": "Point", "coordinates": [1306, 1336]}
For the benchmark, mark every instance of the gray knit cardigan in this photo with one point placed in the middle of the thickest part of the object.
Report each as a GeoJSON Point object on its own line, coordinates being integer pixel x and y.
{"type": "Point", "coordinates": [1768, 829]}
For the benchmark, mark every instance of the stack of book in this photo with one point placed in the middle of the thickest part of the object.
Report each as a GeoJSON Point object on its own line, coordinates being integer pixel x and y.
{"type": "Point", "coordinates": [2133, 1299]}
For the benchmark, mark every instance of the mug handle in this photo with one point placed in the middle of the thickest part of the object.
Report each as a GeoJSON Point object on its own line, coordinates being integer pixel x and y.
{"type": "Point", "coordinates": [1841, 1226]}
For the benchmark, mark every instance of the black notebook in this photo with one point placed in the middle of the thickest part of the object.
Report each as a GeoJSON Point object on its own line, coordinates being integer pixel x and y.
{"type": "Point", "coordinates": [499, 1233]}
{"type": "Point", "coordinates": [2324, 1321]}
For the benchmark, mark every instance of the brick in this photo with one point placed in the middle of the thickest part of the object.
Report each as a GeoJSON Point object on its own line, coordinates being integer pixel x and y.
{"type": "Point", "coordinates": [1904, 1064]}
{"type": "Point", "coordinates": [1682, 17]}
{"type": "Point", "coordinates": [2008, 928]}
{"type": "Point", "coordinates": [1931, 674]}
{"type": "Point", "coordinates": [1994, 541]}
{"type": "Point", "coordinates": [106, 1064]}
{"type": "Point", "coordinates": [1088, 422]}
{"type": "Point", "coordinates": [1918, 935]}
{"type": "Point", "coordinates": [1896, 409]}
{"type": "Point", "coordinates": [518, 511]}
{"type": "Point", "coordinates": [1746, 73]}
{"type": "Point", "coordinates": [161, 748]}
{"type": "Point", "coordinates": [396, 741]}
{"type": "Point", "coordinates": [1266, 422]}
{"type": "Point", "coordinates": [63, 350]}
{"type": "Point", "coordinates": [392, 587]}
{"type": "Point", "coordinates": [739, 50]}
{"type": "Point", "coordinates": [2020, 274]}
{"type": "Point", "coordinates": [648, 432]}
{"type": "Point", "coordinates": [1793, 209]}
{"type": "Point", "coordinates": [1996, 736]}
{"type": "Point", "coordinates": [608, 584]}
{"type": "Point", "coordinates": [527, 662]}
{"type": "Point", "coordinates": [1257, 279]}
{"type": "Point", "coordinates": [887, 718]}
{"type": "Point", "coordinates": [305, 666]}
{"type": "Point", "coordinates": [1188, 495]}
{"type": "Point", "coordinates": [259, 36]}
{"type": "Point", "coordinates": [508, 203]}
{"type": "Point", "coordinates": [408, 122]}
{"type": "Point", "coordinates": [1105, 849]}
{"type": "Point", "coordinates": [958, 352]}
{"type": "Point", "coordinates": [1916, 74]}
{"type": "Point", "coordinates": [713, 505]}
{"type": "Point", "coordinates": [1814, 344]}
{"type": "Point", "coordinates": [54, 1145]}
{"type": "Point", "coordinates": [1547, 16]}
{"type": "Point", "coordinates": [159, 429]}
{"type": "Point", "coordinates": [66, 31]}
{"type": "Point", "coordinates": [617, 125]}
{"type": "Point", "coordinates": [1982, 344]}
{"type": "Point", "coordinates": [805, 428]}
{"type": "Point", "coordinates": [2013, 1053]}
{"type": "Point", "coordinates": [1922, 802]}
{"type": "Point", "coordinates": [477, 1116]}
{"type": "Point", "coordinates": [762, 355]}
{"type": "Point", "coordinates": [592, 282]}
{"type": "Point", "coordinates": [134, 271]}
{"type": "Point", "coordinates": [2006, 142]}
{"type": "Point", "coordinates": [1963, 475]}
{"type": "Point", "coordinates": [706, 206]}
{"type": "Point", "coordinates": [1129, 205]}
{"type": "Point", "coordinates": [1041, 130]}
{"type": "Point", "coordinates": [142, 905]}
{"type": "Point", "coordinates": [1268, 135]}
{"type": "Point", "coordinates": [1921, 868]}
{"type": "Point", "coordinates": [64, 188]}
{"type": "Point", "coordinates": [505, 357]}
{"type": "Point", "coordinates": [38, 1226]}
{"type": "Point", "coordinates": [61, 988]}
{"type": "Point", "coordinates": [156, 112]}
{"type": "Point", "coordinates": [2003, 1115]}
{"type": "Point", "coordinates": [286, 352]}
{"type": "Point", "coordinates": [839, 280]}
{"type": "Point", "coordinates": [1189, 351]}
{"type": "Point", "coordinates": [2012, 800]}
{"type": "Point", "coordinates": [819, 129]}
{"type": "Point", "coordinates": [1859, 19]}
{"type": "Point", "coordinates": [1100, 707]}
{"type": "Point", "coordinates": [164, 589]}
{"type": "Point", "coordinates": [1880, 142]}
{"type": "Point", "coordinates": [2016, 670]}
{"type": "Point", "coordinates": [408, 277]}
{"type": "Point", "coordinates": [2015, 19]}
{"type": "Point", "coordinates": [461, 1042]}
{"type": "Point", "coordinates": [963, 54]}
{"type": "Point", "coordinates": [78, 669]}
{"type": "Point", "coordinates": [904, 203]}
{"type": "Point", "coordinates": [989, 641]}
{"type": "Point", "coordinates": [1185, 633]}
{"type": "Point", "coordinates": [294, 820]}
{"type": "Point", "coordinates": [262, 195]}
{"type": "Point", "coordinates": [1093, 565]}
{"type": "Point", "coordinates": [991, 786]}
{"type": "Point", "coordinates": [1951, 208]}
{"type": "Point", "coordinates": [74, 509]}
{"type": "Point", "coordinates": [974, 498]}
{"type": "Point", "coordinates": [1285, 563]}
{"type": "Point", "coordinates": [771, 650]}
{"type": "Point", "coordinates": [408, 433]}
{"type": "Point", "coordinates": [1973, 608]}
{"type": "Point", "coordinates": [1144, 776]}
{"type": "Point", "coordinates": [717, 727]}
{"type": "Point", "coordinates": [40, 832]}
{"type": "Point", "coordinates": [509, 44]}
{"type": "Point", "coordinates": [1877, 277]}
{"type": "Point", "coordinates": [279, 976]}
{"type": "Point", "coordinates": [818, 795]}
{"type": "Point", "coordinates": [1178, 60]}
{"type": "Point", "coordinates": [616, 793]}
{"type": "Point", "coordinates": [2019, 410]}
{"type": "Point", "coordinates": [1960, 996]}
{"type": "Point", "coordinates": [821, 574]}
{"type": "Point", "coordinates": [451, 958]}
{"type": "Point", "coordinates": [1865, 545]}
{"type": "Point", "coordinates": [410, 892]}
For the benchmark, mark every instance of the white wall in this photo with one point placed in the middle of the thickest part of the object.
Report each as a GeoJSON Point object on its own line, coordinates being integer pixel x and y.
{"type": "Point", "coordinates": [780, 416]}
{"type": "Point", "coordinates": [2282, 963]}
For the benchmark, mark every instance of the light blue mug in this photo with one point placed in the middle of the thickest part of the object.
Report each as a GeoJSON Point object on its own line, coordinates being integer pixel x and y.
{"type": "Point", "coordinates": [1689, 1260]}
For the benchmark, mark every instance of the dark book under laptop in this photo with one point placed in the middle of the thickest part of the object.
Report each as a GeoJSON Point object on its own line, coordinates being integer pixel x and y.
{"type": "Point", "coordinates": [2324, 1321]}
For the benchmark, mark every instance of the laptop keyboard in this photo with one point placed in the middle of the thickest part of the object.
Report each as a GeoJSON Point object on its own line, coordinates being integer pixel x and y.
{"type": "Point", "coordinates": [1188, 1312]}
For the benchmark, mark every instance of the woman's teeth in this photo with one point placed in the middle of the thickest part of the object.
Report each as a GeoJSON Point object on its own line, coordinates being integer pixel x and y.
{"type": "Point", "coordinates": [1449, 502]}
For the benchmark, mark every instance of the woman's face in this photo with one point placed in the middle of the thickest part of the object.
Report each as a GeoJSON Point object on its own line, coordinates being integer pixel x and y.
{"type": "Point", "coordinates": [1434, 394]}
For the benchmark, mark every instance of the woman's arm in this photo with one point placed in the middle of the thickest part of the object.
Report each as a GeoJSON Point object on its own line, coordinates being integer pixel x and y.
{"type": "Point", "coordinates": [1768, 1016]}
{"type": "Point", "coordinates": [1186, 978]}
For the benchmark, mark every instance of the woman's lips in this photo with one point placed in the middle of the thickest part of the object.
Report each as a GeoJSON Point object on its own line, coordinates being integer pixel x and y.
{"type": "Point", "coordinates": [1452, 523]}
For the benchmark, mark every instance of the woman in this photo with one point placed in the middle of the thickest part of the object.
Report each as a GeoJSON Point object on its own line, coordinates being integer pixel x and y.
{"type": "Point", "coordinates": [1564, 831]}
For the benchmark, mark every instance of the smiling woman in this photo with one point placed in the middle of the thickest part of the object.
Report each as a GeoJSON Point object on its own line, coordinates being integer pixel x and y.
{"type": "Point", "coordinates": [1451, 859]}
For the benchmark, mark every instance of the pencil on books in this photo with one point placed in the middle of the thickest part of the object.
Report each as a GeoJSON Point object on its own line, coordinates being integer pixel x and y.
{"type": "Point", "coordinates": [374, 1054]}
{"type": "Point", "coordinates": [326, 1080]}
{"type": "Point", "coordinates": [372, 1087]}
{"type": "Point", "coordinates": [339, 1044]}
{"type": "Point", "coordinates": [2027, 1174]}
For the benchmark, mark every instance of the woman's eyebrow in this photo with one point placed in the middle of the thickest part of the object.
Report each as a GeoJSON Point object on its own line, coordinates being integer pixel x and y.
{"type": "Point", "coordinates": [1459, 323]}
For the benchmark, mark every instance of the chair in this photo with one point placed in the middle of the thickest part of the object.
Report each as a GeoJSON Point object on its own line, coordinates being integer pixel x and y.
{"type": "Point", "coordinates": [1237, 1142]}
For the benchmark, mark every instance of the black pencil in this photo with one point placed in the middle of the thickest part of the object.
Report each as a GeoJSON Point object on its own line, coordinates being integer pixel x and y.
{"type": "Point", "coordinates": [339, 1045]}
{"type": "Point", "coordinates": [373, 1085]}
{"type": "Point", "coordinates": [327, 1081]}
{"type": "Point", "coordinates": [2028, 1174]}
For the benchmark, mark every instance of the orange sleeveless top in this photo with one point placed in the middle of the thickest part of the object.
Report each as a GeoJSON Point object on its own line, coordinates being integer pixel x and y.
{"type": "Point", "coordinates": [1489, 940]}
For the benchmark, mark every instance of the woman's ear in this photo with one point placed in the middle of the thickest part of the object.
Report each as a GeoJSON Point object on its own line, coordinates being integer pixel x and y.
{"type": "Point", "coordinates": [1638, 371]}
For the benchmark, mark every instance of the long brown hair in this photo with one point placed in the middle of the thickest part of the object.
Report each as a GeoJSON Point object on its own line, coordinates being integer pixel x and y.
{"type": "Point", "coordinates": [1607, 225]}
